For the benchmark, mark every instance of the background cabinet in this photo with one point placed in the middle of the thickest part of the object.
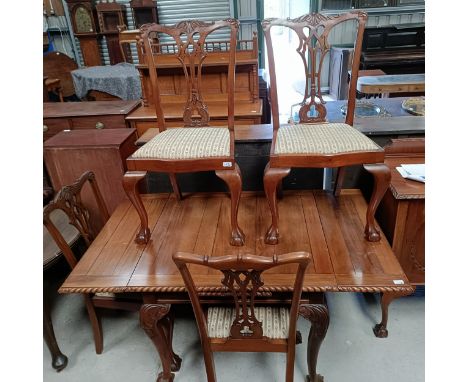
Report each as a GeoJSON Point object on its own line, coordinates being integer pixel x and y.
{"type": "Point", "coordinates": [70, 153]}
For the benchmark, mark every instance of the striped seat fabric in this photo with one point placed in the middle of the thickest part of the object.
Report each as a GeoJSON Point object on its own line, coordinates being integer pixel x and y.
{"type": "Point", "coordinates": [275, 321]}
{"type": "Point", "coordinates": [187, 143]}
{"type": "Point", "coordinates": [322, 138]}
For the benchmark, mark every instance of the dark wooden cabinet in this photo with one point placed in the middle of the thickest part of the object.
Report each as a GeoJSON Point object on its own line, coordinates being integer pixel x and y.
{"type": "Point", "coordinates": [110, 16]}
{"type": "Point", "coordinates": [60, 116]}
{"type": "Point", "coordinates": [144, 12]}
{"type": "Point", "coordinates": [69, 154]}
{"type": "Point", "coordinates": [401, 213]}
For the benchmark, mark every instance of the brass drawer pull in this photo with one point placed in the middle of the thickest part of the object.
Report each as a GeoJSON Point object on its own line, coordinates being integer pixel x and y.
{"type": "Point", "coordinates": [99, 125]}
{"type": "Point", "coordinates": [45, 128]}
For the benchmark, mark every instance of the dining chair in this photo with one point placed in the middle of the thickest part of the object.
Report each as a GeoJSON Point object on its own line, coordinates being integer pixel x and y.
{"type": "Point", "coordinates": [314, 142]}
{"type": "Point", "coordinates": [244, 325]}
{"type": "Point", "coordinates": [195, 146]}
{"type": "Point", "coordinates": [66, 219]}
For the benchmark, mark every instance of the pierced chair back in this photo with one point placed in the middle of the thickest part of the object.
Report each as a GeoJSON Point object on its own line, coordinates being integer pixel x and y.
{"type": "Point", "coordinates": [190, 48]}
{"type": "Point", "coordinates": [68, 200]}
{"type": "Point", "coordinates": [313, 31]}
{"type": "Point", "coordinates": [242, 279]}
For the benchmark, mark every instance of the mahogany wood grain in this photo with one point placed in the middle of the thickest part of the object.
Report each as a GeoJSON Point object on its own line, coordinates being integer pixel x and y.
{"type": "Point", "coordinates": [314, 221]}
{"type": "Point", "coordinates": [58, 65]}
{"type": "Point", "coordinates": [402, 212]}
{"type": "Point", "coordinates": [337, 265]}
{"type": "Point", "coordinates": [245, 113]}
{"type": "Point", "coordinates": [90, 50]}
{"type": "Point", "coordinates": [59, 360]}
{"type": "Point", "coordinates": [195, 111]}
{"type": "Point", "coordinates": [85, 115]}
{"type": "Point", "coordinates": [69, 154]}
{"type": "Point", "coordinates": [242, 279]}
{"type": "Point", "coordinates": [313, 32]}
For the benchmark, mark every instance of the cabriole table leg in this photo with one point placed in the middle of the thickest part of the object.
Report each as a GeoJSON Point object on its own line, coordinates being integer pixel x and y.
{"type": "Point", "coordinates": [158, 325]}
{"type": "Point", "coordinates": [319, 319]}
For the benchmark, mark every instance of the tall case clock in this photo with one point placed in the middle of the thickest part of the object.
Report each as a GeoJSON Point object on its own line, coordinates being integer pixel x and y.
{"type": "Point", "coordinates": [111, 15]}
{"type": "Point", "coordinates": [144, 12]}
{"type": "Point", "coordinates": [84, 23]}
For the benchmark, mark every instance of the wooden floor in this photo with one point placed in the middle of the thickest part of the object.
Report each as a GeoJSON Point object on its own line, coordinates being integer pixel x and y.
{"type": "Point", "coordinates": [314, 221]}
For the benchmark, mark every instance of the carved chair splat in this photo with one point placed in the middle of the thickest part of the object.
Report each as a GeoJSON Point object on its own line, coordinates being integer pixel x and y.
{"type": "Point", "coordinates": [314, 142]}
{"type": "Point", "coordinates": [244, 326]}
{"type": "Point", "coordinates": [196, 146]}
{"type": "Point", "coordinates": [68, 201]}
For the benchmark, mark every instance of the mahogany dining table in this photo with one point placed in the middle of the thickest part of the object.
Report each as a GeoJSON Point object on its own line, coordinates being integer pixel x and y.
{"type": "Point", "coordinates": [331, 229]}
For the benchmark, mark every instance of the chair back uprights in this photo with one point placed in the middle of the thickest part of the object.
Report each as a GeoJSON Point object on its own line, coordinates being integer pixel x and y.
{"type": "Point", "coordinates": [68, 199]}
{"type": "Point", "coordinates": [313, 31]}
{"type": "Point", "coordinates": [189, 46]}
{"type": "Point", "coordinates": [243, 280]}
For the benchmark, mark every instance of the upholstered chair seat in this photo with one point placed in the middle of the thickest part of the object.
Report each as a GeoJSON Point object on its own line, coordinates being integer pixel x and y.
{"type": "Point", "coordinates": [275, 321]}
{"type": "Point", "coordinates": [187, 143]}
{"type": "Point", "coordinates": [322, 138]}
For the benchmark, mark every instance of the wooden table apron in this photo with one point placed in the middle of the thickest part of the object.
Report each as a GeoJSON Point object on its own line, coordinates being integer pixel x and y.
{"type": "Point", "coordinates": [314, 221]}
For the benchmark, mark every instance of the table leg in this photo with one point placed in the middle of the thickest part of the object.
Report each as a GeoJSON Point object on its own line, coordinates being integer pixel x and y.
{"type": "Point", "coordinates": [380, 330]}
{"type": "Point", "coordinates": [319, 319]}
{"type": "Point", "coordinates": [158, 325]}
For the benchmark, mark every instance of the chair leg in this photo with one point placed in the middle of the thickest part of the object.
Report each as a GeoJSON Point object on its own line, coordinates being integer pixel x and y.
{"type": "Point", "coordinates": [130, 185]}
{"type": "Point", "coordinates": [95, 324]}
{"type": "Point", "coordinates": [156, 326]}
{"type": "Point", "coordinates": [381, 174]}
{"type": "Point", "coordinates": [175, 186]}
{"type": "Point", "coordinates": [339, 180]}
{"type": "Point", "coordinates": [319, 319]}
{"type": "Point", "coordinates": [234, 181]}
{"type": "Point", "coordinates": [59, 360]}
{"type": "Point", "coordinates": [271, 178]}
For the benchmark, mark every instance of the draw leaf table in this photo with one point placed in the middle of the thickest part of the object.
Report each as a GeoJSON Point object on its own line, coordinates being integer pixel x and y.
{"type": "Point", "coordinates": [314, 221]}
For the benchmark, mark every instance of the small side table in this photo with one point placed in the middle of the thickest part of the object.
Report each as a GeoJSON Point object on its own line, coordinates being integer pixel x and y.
{"type": "Point", "coordinates": [401, 213]}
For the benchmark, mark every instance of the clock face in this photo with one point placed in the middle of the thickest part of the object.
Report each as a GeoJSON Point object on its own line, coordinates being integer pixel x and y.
{"type": "Point", "coordinates": [83, 21]}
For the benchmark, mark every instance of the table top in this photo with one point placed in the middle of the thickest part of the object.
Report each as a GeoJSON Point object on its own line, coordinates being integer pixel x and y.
{"type": "Point", "coordinates": [87, 109]}
{"type": "Point", "coordinates": [332, 230]}
{"type": "Point", "coordinates": [83, 138]}
{"type": "Point", "coordinates": [391, 83]}
{"type": "Point", "coordinates": [400, 187]}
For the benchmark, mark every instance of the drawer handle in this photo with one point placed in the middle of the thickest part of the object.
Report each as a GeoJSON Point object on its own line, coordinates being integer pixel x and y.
{"type": "Point", "coordinates": [45, 128]}
{"type": "Point", "coordinates": [99, 125]}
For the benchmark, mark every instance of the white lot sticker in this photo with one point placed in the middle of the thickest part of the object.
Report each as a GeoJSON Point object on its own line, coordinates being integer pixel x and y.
{"type": "Point", "coordinates": [398, 282]}
{"type": "Point", "coordinates": [227, 164]}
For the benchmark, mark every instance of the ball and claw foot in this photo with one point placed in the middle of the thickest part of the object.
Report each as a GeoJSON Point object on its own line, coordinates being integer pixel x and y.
{"type": "Point", "coordinates": [176, 363]}
{"type": "Point", "coordinates": [318, 378]}
{"type": "Point", "coordinates": [143, 236]}
{"type": "Point", "coordinates": [272, 236]}
{"type": "Point", "coordinates": [60, 362]}
{"type": "Point", "coordinates": [380, 331]}
{"type": "Point", "coordinates": [237, 238]}
{"type": "Point", "coordinates": [372, 234]}
{"type": "Point", "coordinates": [161, 378]}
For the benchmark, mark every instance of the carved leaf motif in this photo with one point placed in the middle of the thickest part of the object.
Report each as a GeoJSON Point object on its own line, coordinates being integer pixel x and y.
{"type": "Point", "coordinates": [244, 286]}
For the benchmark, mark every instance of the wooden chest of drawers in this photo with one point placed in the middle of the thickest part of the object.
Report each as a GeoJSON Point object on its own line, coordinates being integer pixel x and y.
{"type": "Point", "coordinates": [401, 213]}
{"type": "Point", "coordinates": [70, 153]}
{"type": "Point", "coordinates": [59, 116]}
